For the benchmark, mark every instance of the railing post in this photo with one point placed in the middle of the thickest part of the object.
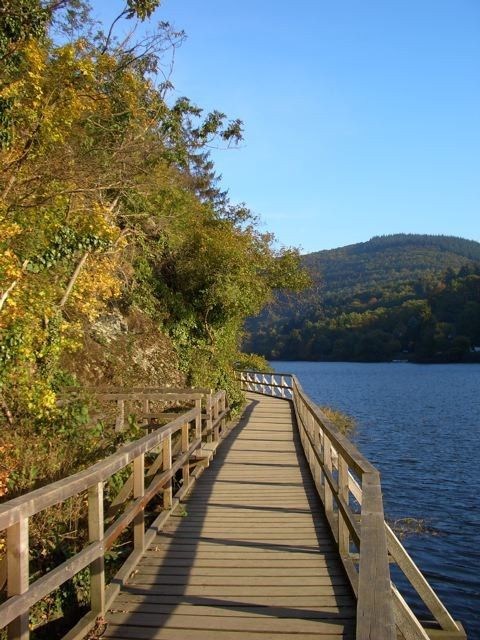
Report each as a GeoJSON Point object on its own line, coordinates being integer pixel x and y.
{"type": "Point", "coordinates": [120, 419]}
{"type": "Point", "coordinates": [317, 473]}
{"type": "Point", "coordinates": [242, 381]}
{"type": "Point", "coordinates": [282, 389]}
{"type": "Point", "coordinates": [146, 410]}
{"type": "Point", "coordinates": [223, 408]}
{"type": "Point", "coordinates": [18, 574]}
{"type": "Point", "coordinates": [138, 492]}
{"type": "Point", "coordinates": [167, 465]}
{"type": "Point", "coordinates": [186, 465]}
{"type": "Point", "coordinates": [272, 385]}
{"type": "Point", "coordinates": [198, 418]}
{"type": "Point", "coordinates": [375, 616]}
{"type": "Point", "coordinates": [306, 426]}
{"type": "Point", "coordinates": [215, 412]}
{"type": "Point", "coordinates": [343, 532]}
{"type": "Point", "coordinates": [209, 416]}
{"type": "Point", "coordinates": [95, 533]}
{"type": "Point", "coordinates": [327, 463]}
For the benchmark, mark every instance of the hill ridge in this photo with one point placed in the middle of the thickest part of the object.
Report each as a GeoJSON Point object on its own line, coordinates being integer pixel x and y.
{"type": "Point", "coordinates": [355, 284]}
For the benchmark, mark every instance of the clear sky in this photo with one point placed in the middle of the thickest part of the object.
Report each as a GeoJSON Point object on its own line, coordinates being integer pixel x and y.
{"type": "Point", "coordinates": [361, 116]}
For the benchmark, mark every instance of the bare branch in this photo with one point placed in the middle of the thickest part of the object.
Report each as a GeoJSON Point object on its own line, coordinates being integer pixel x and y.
{"type": "Point", "coordinates": [6, 411]}
{"type": "Point", "coordinates": [73, 279]}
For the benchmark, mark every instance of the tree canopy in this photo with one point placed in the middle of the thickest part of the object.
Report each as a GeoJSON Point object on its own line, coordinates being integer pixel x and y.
{"type": "Point", "coordinates": [109, 199]}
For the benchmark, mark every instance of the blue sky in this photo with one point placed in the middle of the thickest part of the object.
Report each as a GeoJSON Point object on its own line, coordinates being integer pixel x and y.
{"type": "Point", "coordinates": [361, 116]}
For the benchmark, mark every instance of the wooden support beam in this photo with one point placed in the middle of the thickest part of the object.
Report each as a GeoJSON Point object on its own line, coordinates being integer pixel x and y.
{"type": "Point", "coordinates": [167, 464]}
{"type": "Point", "coordinates": [327, 464]}
{"type": "Point", "coordinates": [138, 492]}
{"type": "Point", "coordinates": [95, 533]}
{"type": "Point", "coordinates": [120, 418]}
{"type": "Point", "coordinates": [185, 445]}
{"type": "Point", "coordinates": [18, 574]}
{"type": "Point", "coordinates": [343, 531]}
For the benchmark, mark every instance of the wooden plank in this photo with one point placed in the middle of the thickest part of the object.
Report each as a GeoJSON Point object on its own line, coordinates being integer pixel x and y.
{"type": "Point", "coordinates": [18, 575]}
{"type": "Point", "coordinates": [259, 624]}
{"type": "Point", "coordinates": [167, 464]}
{"type": "Point", "coordinates": [143, 633]}
{"type": "Point", "coordinates": [139, 492]}
{"type": "Point", "coordinates": [284, 552]}
{"type": "Point", "coordinates": [95, 534]}
{"type": "Point", "coordinates": [212, 569]}
{"type": "Point", "coordinates": [374, 609]}
{"type": "Point", "coordinates": [223, 580]}
{"type": "Point", "coordinates": [406, 621]}
{"type": "Point", "coordinates": [345, 522]}
{"type": "Point", "coordinates": [290, 601]}
{"type": "Point", "coordinates": [230, 591]}
{"type": "Point", "coordinates": [184, 449]}
{"type": "Point", "coordinates": [419, 583]}
{"type": "Point", "coordinates": [231, 559]}
{"type": "Point", "coordinates": [127, 602]}
{"type": "Point", "coordinates": [172, 395]}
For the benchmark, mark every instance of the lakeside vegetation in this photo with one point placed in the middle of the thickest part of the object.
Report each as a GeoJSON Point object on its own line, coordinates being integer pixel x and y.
{"type": "Point", "coordinates": [395, 297]}
{"type": "Point", "coordinates": [122, 260]}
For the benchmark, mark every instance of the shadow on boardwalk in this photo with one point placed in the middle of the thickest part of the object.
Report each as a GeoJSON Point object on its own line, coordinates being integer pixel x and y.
{"type": "Point", "coordinates": [253, 556]}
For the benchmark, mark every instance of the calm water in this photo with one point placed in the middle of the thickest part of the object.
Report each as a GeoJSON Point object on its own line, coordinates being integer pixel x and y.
{"type": "Point", "coordinates": [420, 425]}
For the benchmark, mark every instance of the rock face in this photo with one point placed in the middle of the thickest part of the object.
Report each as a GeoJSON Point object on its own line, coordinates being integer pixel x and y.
{"type": "Point", "coordinates": [109, 327]}
{"type": "Point", "coordinates": [125, 350]}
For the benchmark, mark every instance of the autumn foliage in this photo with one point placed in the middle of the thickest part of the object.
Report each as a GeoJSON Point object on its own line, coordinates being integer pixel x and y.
{"type": "Point", "coordinates": [109, 200]}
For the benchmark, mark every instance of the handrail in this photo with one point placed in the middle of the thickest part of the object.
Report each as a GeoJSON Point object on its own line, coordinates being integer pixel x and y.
{"type": "Point", "coordinates": [350, 489]}
{"type": "Point", "coordinates": [124, 397]}
{"type": "Point", "coordinates": [146, 483]}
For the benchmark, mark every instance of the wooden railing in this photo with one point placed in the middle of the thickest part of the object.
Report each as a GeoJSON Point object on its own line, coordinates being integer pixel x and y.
{"type": "Point", "coordinates": [271, 384]}
{"type": "Point", "coordinates": [350, 490]}
{"type": "Point", "coordinates": [184, 445]}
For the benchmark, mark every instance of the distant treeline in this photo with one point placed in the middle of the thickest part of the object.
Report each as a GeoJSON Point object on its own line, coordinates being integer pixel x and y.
{"type": "Point", "coordinates": [433, 319]}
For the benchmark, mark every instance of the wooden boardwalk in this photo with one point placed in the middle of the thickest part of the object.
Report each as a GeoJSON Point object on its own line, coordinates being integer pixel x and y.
{"type": "Point", "coordinates": [275, 531]}
{"type": "Point", "coordinates": [252, 558]}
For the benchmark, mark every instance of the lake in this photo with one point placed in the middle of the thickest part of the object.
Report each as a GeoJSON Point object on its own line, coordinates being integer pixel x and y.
{"type": "Point", "coordinates": [420, 426]}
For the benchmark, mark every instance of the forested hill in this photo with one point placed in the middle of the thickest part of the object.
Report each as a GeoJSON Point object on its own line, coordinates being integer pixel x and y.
{"type": "Point", "coordinates": [363, 297]}
{"type": "Point", "coordinates": [385, 259]}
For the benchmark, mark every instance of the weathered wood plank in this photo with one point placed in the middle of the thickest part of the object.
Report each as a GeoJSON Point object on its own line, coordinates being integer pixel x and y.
{"type": "Point", "coordinates": [260, 624]}
{"type": "Point", "coordinates": [143, 633]}
{"type": "Point", "coordinates": [374, 611]}
{"type": "Point", "coordinates": [18, 574]}
{"type": "Point", "coordinates": [95, 534]}
{"type": "Point", "coordinates": [127, 602]}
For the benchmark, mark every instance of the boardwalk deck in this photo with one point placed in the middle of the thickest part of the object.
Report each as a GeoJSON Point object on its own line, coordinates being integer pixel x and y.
{"type": "Point", "coordinates": [283, 535]}
{"type": "Point", "coordinates": [253, 558]}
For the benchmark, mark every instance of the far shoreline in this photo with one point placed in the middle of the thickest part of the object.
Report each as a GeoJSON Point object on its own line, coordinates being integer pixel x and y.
{"type": "Point", "coordinates": [415, 362]}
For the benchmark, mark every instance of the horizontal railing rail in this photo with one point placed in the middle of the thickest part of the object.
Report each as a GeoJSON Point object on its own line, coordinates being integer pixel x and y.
{"type": "Point", "coordinates": [137, 401]}
{"type": "Point", "coordinates": [187, 442]}
{"type": "Point", "coordinates": [350, 489]}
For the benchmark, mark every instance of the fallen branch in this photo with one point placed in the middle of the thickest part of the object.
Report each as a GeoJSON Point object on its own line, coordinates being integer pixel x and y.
{"type": "Point", "coordinates": [73, 279]}
{"type": "Point", "coordinates": [6, 410]}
